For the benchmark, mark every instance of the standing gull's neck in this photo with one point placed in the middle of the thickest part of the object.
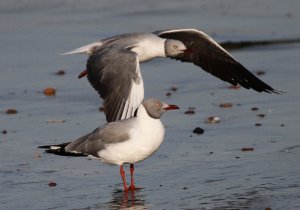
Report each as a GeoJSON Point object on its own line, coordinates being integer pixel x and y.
{"type": "Point", "coordinates": [141, 112]}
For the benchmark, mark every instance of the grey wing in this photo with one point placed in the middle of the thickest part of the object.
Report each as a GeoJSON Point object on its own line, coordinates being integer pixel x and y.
{"type": "Point", "coordinates": [214, 59]}
{"type": "Point", "coordinates": [92, 143]}
{"type": "Point", "coordinates": [92, 47]}
{"type": "Point", "coordinates": [115, 74]}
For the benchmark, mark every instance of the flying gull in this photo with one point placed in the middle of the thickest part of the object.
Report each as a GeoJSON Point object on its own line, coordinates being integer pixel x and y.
{"type": "Point", "coordinates": [125, 141]}
{"type": "Point", "coordinates": [113, 66]}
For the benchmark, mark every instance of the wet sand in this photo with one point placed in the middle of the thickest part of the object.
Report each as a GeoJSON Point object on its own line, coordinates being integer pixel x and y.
{"type": "Point", "coordinates": [189, 171]}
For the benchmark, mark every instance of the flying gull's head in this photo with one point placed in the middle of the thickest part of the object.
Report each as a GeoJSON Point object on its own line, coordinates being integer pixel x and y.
{"type": "Point", "coordinates": [174, 47]}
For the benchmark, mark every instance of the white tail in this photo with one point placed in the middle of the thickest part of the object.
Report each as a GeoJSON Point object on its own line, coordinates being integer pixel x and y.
{"type": "Point", "coordinates": [86, 49]}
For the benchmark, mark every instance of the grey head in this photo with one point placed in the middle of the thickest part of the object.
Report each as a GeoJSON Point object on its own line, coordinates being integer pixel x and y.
{"type": "Point", "coordinates": [155, 108]}
{"type": "Point", "coordinates": [174, 47]}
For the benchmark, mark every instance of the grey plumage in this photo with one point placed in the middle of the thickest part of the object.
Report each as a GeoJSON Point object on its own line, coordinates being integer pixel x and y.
{"type": "Point", "coordinates": [125, 141]}
{"type": "Point", "coordinates": [113, 66]}
{"type": "Point", "coordinates": [174, 48]}
{"type": "Point", "coordinates": [212, 58]}
{"type": "Point", "coordinates": [112, 83]}
{"type": "Point", "coordinates": [90, 144]}
{"type": "Point", "coordinates": [111, 133]}
{"type": "Point", "coordinates": [154, 107]}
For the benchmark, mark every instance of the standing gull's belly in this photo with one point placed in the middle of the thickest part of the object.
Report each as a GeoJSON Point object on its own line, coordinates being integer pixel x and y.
{"type": "Point", "coordinates": [144, 143]}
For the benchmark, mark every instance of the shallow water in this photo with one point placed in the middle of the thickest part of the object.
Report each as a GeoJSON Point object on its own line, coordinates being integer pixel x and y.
{"type": "Point", "coordinates": [189, 171]}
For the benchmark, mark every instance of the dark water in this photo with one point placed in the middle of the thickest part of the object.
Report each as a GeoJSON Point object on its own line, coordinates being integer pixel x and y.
{"type": "Point", "coordinates": [189, 171]}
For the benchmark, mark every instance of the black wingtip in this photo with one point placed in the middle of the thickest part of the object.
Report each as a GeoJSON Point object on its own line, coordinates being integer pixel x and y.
{"type": "Point", "coordinates": [62, 152]}
{"type": "Point", "coordinates": [276, 92]}
{"type": "Point", "coordinates": [59, 149]}
{"type": "Point", "coordinates": [271, 90]}
{"type": "Point", "coordinates": [44, 147]}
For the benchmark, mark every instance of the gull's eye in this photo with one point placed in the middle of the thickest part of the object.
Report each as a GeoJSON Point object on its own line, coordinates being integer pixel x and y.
{"type": "Point", "coordinates": [175, 47]}
{"type": "Point", "coordinates": [157, 105]}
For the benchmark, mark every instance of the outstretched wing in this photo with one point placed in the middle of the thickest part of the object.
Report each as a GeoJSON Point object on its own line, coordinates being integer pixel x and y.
{"type": "Point", "coordinates": [214, 59]}
{"type": "Point", "coordinates": [115, 74]}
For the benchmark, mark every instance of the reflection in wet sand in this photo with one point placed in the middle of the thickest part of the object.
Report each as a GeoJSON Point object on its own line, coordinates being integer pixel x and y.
{"type": "Point", "coordinates": [120, 200]}
{"type": "Point", "coordinates": [127, 200]}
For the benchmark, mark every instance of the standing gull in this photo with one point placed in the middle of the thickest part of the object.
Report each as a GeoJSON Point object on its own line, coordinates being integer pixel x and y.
{"type": "Point", "coordinates": [113, 66]}
{"type": "Point", "coordinates": [125, 141]}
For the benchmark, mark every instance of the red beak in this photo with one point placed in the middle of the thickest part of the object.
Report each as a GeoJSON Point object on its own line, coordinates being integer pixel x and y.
{"type": "Point", "coordinates": [82, 74]}
{"type": "Point", "coordinates": [188, 51]}
{"type": "Point", "coordinates": [171, 107]}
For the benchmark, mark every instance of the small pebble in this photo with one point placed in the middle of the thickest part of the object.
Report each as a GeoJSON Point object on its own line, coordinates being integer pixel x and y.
{"type": "Point", "coordinates": [189, 112]}
{"type": "Point", "coordinates": [11, 111]}
{"type": "Point", "coordinates": [4, 132]}
{"type": "Point", "coordinates": [282, 125]}
{"type": "Point", "coordinates": [184, 188]}
{"type": "Point", "coordinates": [168, 94]}
{"type": "Point", "coordinates": [198, 130]}
{"type": "Point", "coordinates": [261, 115]}
{"type": "Point", "coordinates": [174, 89]}
{"type": "Point", "coordinates": [60, 72]}
{"type": "Point", "coordinates": [212, 119]}
{"type": "Point", "coordinates": [246, 149]}
{"type": "Point", "coordinates": [37, 156]}
{"type": "Point", "coordinates": [49, 91]}
{"type": "Point", "coordinates": [288, 14]}
{"type": "Point", "coordinates": [226, 105]}
{"type": "Point", "coordinates": [52, 184]}
{"type": "Point", "coordinates": [237, 157]}
{"type": "Point", "coordinates": [56, 121]}
{"type": "Point", "coordinates": [254, 109]}
{"type": "Point", "coordinates": [258, 124]}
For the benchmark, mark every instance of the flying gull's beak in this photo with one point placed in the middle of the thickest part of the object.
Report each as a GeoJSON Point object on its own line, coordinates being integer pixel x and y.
{"type": "Point", "coordinates": [188, 51]}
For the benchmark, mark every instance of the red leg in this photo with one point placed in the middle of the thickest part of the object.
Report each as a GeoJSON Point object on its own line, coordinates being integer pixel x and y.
{"type": "Point", "coordinates": [82, 74]}
{"type": "Point", "coordinates": [123, 178]}
{"type": "Point", "coordinates": [132, 187]}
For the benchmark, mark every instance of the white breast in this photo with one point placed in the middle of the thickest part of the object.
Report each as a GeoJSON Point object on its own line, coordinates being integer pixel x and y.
{"type": "Point", "coordinates": [145, 138]}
